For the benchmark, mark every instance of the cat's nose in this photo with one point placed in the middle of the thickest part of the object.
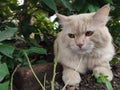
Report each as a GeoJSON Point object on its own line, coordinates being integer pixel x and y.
{"type": "Point", "coordinates": [80, 45]}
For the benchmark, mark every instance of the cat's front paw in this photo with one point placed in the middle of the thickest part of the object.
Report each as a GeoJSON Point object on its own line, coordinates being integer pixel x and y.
{"type": "Point", "coordinates": [102, 70]}
{"type": "Point", "coordinates": [72, 87]}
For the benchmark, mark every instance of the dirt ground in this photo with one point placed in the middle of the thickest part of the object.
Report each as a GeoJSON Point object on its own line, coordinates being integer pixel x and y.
{"type": "Point", "coordinates": [24, 79]}
{"type": "Point", "coordinates": [89, 82]}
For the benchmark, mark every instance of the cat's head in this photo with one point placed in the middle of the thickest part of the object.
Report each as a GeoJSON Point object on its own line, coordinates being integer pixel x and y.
{"type": "Point", "coordinates": [84, 32]}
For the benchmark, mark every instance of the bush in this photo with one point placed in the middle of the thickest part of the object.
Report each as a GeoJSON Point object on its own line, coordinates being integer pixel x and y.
{"type": "Point", "coordinates": [27, 28]}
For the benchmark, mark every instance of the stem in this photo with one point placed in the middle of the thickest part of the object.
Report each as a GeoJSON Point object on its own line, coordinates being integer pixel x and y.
{"type": "Point", "coordinates": [45, 79]}
{"type": "Point", "coordinates": [30, 66]}
{"type": "Point", "coordinates": [54, 71]}
{"type": "Point", "coordinates": [54, 74]}
{"type": "Point", "coordinates": [108, 85]}
{"type": "Point", "coordinates": [72, 74]}
{"type": "Point", "coordinates": [11, 83]}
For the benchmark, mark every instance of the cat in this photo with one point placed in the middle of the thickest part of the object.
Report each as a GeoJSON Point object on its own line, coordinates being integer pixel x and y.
{"type": "Point", "coordinates": [84, 44]}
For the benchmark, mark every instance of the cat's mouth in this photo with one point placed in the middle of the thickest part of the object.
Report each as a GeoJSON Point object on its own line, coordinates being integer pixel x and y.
{"type": "Point", "coordinates": [82, 50]}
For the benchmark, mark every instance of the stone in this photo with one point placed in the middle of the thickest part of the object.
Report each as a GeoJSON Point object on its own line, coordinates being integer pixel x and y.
{"type": "Point", "coordinates": [25, 80]}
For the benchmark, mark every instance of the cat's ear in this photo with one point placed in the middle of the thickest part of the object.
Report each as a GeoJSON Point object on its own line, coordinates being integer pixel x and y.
{"type": "Point", "coordinates": [102, 15]}
{"type": "Point", "coordinates": [63, 18]}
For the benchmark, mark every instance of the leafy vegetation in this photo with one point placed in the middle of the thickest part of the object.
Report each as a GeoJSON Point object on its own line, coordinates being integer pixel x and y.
{"type": "Point", "coordinates": [27, 28]}
{"type": "Point", "coordinates": [103, 79]}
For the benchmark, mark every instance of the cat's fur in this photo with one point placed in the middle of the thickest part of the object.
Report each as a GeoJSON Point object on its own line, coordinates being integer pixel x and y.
{"type": "Point", "coordinates": [96, 50]}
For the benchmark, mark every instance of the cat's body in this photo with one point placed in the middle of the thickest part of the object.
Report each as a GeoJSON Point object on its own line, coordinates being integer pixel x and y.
{"type": "Point", "coordinates": [84, 43]}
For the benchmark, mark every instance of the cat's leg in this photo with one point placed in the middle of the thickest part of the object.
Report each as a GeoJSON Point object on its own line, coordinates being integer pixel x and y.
{"type": "Point", "coordinates": [103, 70]}
{"type": "Point", "coordinates": [71, 78]}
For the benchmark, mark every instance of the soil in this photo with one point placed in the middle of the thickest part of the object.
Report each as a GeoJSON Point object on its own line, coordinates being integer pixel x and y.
{"type": "Point", "coordinates": [24, 79]}
{"type": "Point", "coordinates": [90, 83]}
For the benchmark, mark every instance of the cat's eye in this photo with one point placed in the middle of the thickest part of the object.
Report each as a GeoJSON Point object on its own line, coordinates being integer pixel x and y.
{"type": "Point", "coordinates": [71, 35]}
{"type": "Point", "coordinates": [89, 33]}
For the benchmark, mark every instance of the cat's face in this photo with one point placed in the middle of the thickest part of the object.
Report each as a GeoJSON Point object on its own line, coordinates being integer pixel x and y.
{"type": "Point", "coordinates": [84, 32]}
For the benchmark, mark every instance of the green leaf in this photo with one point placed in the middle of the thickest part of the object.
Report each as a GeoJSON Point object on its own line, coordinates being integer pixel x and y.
{"type": "Point", "coordinates": [103, 79]}
{"type": "Point", "coordinates": [1, 43]}
{"type": "Point", "coordinates": [7, 50]}
{"type": "Point", "coordinates": [67, 4]}
{"type": "Point", "coordinates": [109, 1]}
{"type": "Point", "coordinates": [40, 62]}
{"type": "Point", "coordinates": [115, 60]}
{"type": "Point", "coordinates": [92, 8]}
{"type": "Point", "coordinates": [8, 33]}
{"type": "Point", "coordinates": [3, 71]}
{"type": "Point", "coordinates": [108, 85]}
{"type": "Point", "coordinates": [36, 50]}
{"type": "Point", "coordinates": [78, 4]}
{"type": "Point", "coordinates": [50, 4]}
{"type": "Point", "coordinates": [0, 57]}
{"type": "Point", "coordinates": [4, 86]}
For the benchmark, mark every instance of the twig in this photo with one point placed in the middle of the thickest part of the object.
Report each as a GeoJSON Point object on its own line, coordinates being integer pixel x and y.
{"type": "Point", "coordinates": [72, 74]}
{"type": "Point", "coordinates": [45, 79]}
{"type": "Point", "coordinates": [11, 83]}
{"type": "Point", "coordinates": [54, 74]}
{"type": "Point", "coordinates": [54, 71]}
{"type": "Point", "coordinates": [30, 66]}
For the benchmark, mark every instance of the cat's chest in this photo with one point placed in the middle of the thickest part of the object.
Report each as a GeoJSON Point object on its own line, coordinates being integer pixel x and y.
{"type": "Point", "coordinates": [82, 63]}
{"type": "Point", "coordinates": [74, 60]}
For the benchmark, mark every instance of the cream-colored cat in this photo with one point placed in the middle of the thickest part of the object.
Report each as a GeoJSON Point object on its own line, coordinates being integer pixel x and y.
{"type": "Point", "coordinates": [84, 44]}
